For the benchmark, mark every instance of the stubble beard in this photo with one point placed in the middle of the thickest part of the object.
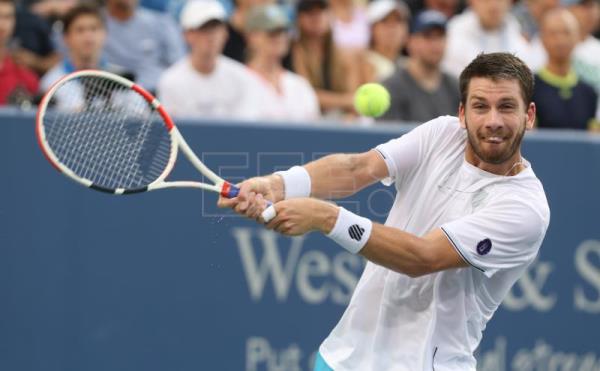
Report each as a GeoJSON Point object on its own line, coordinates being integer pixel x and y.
{"type": "Point", "coordinates": [499, 157]}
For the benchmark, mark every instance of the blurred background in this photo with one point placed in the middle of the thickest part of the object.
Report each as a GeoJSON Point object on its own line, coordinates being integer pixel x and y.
{"type": "Point", "coordinates": [166, 281]}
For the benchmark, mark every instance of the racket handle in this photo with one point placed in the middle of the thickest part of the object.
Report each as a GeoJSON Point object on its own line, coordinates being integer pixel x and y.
{"type": "Point", "coordinates": [228, 190]}
{"type": "Point", "coordinates": [269, 213]}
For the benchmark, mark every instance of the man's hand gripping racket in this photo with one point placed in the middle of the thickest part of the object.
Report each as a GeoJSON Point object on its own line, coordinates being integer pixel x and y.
{"type": "Point", "coordinates": [109, 134]}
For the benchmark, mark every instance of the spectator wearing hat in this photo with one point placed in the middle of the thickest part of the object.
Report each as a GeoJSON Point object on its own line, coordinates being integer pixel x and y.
{"type": "Point", "coordinates": [389, 21]}
{"type": "Point", "coordinates": [205, 83]}
{"type": "Point", "coordinates": [284, 95]}
{"type": "Point", "coordinates": [332, 71]}
{"type": "Point", "coordinates": [141, 40]}
{"type": "Point", "coordinates": [236, 46]}
{"type": "Point", "coordinates": [420, 90]}
{"type": "Point", "coordinates": [486, 26]}
{"type": "Point", "coordinates": [561, 98]}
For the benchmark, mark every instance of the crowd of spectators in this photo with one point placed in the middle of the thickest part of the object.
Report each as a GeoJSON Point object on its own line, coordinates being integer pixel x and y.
{"type": "Point", "coordinates": [302, 60]}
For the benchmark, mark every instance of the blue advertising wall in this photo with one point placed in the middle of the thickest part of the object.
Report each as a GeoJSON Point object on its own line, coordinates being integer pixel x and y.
{"type": "Point", "coordinates": [166, 281]}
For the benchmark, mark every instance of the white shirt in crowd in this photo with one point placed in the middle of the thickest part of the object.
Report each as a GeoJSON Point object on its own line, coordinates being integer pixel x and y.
{"type": "Point", "coordinates": [435, 322]}
{"type": "Point", "coordinates": [228, 92]}
{"type": "Point", "coordinates": [297, 101]}
{"type": "Point", "coordinates": [466, 38]}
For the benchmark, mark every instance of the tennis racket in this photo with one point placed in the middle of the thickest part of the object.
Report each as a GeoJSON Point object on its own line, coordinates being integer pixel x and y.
{"type": "Point", "coordinates": [109, 134]}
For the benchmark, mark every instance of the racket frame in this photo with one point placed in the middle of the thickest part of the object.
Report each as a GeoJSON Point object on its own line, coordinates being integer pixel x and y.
{"type": "Point", "coordinates": [219, 185]}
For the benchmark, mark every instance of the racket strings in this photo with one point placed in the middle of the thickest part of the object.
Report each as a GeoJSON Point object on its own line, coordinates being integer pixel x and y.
{"type": "Point", "coordinates": [107, 133]}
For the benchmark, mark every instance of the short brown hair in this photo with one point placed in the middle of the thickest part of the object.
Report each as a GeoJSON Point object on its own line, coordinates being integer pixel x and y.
{"type": "Point", "coordinates": [498, 66]}
{"type": "Point", "coordinates": [79, 10]}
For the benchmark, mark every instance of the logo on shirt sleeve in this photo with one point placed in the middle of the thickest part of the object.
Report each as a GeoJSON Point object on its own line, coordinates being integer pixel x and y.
{"type": "Point", "coordinates": [356, 232]}
{"type": "Point", "coordinates": [484, 246]}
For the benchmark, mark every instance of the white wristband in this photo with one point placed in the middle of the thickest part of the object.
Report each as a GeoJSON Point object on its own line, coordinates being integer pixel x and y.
{"type": "Point", "coordinates": [351, 231]}
{"type": "Point", "coordinates": [296, 182]}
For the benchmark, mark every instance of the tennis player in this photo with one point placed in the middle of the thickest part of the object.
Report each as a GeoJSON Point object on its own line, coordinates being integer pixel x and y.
{"type": "Point", "coordinates": [468, 219]}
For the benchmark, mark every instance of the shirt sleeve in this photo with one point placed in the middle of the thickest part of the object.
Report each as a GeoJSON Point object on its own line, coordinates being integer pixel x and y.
{"type": "Point", "coordinates": [502, 236]}
{"type": "Point", "coordinates": [174, 45]}
{"type": "Point", "coordinates": [404, 154]}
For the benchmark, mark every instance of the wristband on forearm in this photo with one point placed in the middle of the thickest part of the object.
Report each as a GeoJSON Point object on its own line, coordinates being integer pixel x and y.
{"type": "Point", "coordinates": [351, 231]}
{"type": "Point", "coordinates": [296, 182]}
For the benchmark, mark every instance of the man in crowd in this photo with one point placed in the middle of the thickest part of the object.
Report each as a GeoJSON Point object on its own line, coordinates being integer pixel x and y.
{"type": "Point", "coordinates": [284, 95]}
{"type": "Point", "coordinates": [84, 34]}
{"type": "Point", "coordinates": [205, 83]}
{"type": "Point", "coordinates": [141, 40]}
{"type": "Point", "coordinates": [487, 26]}
{"type": "Point", "coordinates": [420, 90]}
{"type": "Point", "coordinates": [17, 83]}
{"type": "Point", "coordinates": [562, 99]}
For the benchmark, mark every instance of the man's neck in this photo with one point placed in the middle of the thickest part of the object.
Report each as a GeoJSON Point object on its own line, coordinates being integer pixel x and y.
{"type": "Point", "coordinates": [388, 51]}
{"type": "Point", "coordinates": [429, 77]}
{"type": "Point", "coordinates": [265, 65]}
{"type": "Point", "coordinates": [81, 63]}
{"type": "Point", "coordinates": [270, 69]}
{"type": "Point", "coordinates": [204, 65]}
{"type": "Point", "coordinates": [120, 13]}
{"type": "Point", "coordinates": [559, 68]}
{"type": "Point", "coordinates": [510, 167]}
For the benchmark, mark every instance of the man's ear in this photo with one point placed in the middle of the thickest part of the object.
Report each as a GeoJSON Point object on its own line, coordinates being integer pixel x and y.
{"type": "Point", "coordinates": [461, 116]}
{"type": "Point", "coordinates": [531, 110]}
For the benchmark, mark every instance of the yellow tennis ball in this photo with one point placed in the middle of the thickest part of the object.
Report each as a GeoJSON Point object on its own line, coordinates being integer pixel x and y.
{"type": "Point", "coordinates": [371, 100]}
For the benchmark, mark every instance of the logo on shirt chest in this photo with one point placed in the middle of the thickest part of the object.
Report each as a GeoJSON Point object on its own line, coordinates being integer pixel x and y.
{"type": "Point", "coordinates": [484, 246]}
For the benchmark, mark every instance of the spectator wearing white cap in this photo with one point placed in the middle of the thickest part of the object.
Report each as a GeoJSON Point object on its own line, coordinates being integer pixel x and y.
{"type": "Point", "coordinates": [206, 83]}
{"type": "Point", "coordinates": [421, 91]}
{"type": "Point", "coordinates": [388, 20]}
{"type": "Point", "coordinates": [486, 26]}
{"type": "Point", "coordinates": [332, 71]}
{"type": "Point", "coordinates": [284, 95]}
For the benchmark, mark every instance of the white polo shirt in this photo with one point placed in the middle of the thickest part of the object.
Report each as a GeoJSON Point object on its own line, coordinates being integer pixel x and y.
{"type": "Point", "coordinates": [435, 322]}
{"type": "Point", "coordinates": [227, 92]}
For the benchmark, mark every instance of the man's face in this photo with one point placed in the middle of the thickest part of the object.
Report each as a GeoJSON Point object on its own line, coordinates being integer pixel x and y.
{"type": "Point", "coordinates": [391, 31]}
{"type": "Point", "coordinates": [272, 44]}
{"type": "Point", "coordinates": [428, 47]}
{"type": "Point", "coordinates": [207, 41]}
{"type": "Point", "coordinates": [85, 37]}
{"type": "Point", "coordinates": [496, 118]}
{"type": "Point", "coordinates": [491, 13]}
{"type": "Point", "coordinates": [7, 22]}
{"type": "Point", "coordinates": [560, 34]}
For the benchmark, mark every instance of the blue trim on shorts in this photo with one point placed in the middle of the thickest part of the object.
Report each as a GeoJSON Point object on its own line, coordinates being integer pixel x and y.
{"type": "Point", "coordinates": [320, 364]}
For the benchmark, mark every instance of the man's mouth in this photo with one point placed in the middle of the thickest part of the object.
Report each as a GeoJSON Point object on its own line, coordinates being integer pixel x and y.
{"type": "Point", "coordinates": [494, 139]}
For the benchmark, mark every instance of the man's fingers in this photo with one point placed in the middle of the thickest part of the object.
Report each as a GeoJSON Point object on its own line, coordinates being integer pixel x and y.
{"type": "Point", "coordinates": [257, 207]}
{"type": "Point", "coordinates": [227, 202]}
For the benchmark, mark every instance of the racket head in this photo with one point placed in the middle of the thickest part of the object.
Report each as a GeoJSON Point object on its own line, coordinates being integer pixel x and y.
{"type": "Point", "coordinates": [106, 133]}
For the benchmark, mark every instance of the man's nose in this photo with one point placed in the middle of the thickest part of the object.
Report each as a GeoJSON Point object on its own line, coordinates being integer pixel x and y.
{"type": "Point", "coordinates": [494, 120]}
